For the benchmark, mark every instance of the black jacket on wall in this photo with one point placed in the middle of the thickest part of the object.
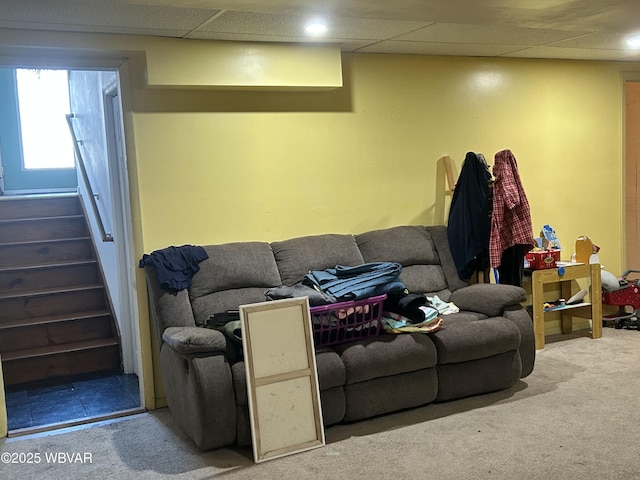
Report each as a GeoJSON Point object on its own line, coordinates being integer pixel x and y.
{"type": "Point", "coordinates": [469, 226]}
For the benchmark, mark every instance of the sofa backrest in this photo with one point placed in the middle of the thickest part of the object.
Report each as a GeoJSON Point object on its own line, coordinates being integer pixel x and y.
{"type": "Point", "coordinates": [441, 241]}
{"type": "Point", "coordinates": [296, 256]}
{"type": "Point", "coordinates": [234, 274]}
{"type": "Point", "coordinates": [419, 250]}
{"type": "Point", "coordinates": [240, 273]}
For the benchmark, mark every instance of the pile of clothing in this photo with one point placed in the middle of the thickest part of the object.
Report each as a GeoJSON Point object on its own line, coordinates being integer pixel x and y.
{"type": "Point", "coordinates": [344, 283]}
{"type": "Point", "coordinates": [415, 313]}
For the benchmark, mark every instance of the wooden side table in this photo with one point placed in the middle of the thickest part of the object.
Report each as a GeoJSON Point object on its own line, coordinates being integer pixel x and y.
{"type": "Point", "coordinates": [591, 309]}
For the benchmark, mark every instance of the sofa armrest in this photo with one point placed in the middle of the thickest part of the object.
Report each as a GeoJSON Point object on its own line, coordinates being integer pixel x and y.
{"type": "Point", "coordinates": [187, 340]}
{"type": "Point", "coordinates": [488, 298]}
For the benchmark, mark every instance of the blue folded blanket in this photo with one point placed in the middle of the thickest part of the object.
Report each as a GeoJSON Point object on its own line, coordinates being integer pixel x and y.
{"type": "Point", "coordinates": [360, 281]}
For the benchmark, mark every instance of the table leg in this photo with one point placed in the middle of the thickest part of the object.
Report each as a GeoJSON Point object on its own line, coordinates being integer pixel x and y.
{"type": "Point", "coordinates": [566, 319]}
{"type": "Point", "coordinates": [595, 295]}
{"type": "Point", "coordinates": [538, 309]}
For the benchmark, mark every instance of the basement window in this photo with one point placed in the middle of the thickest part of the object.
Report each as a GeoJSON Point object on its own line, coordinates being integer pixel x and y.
{"type": "Point", "coordinates": [43, 99]}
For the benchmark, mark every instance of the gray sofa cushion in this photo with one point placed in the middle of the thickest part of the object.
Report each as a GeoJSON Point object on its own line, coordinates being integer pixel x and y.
{"type": "Point", "coordinates": [386, 355]}
{"type": "Point", "coordinates": [407, 245]}
{"type": "Point", "coordinates": [219, 302]}
{"type": "Point", "coordinates": [235, 265]}
{"type": "Point", "coordinates": [414, 249]}
{"type": "Point", "coordinates": [333, 405]}
{"type": "Point", "coordinates": [331, 372]}
{"type": "Point", "coordinates": [234, 274]}
{"type": "Point", "coordinates": [295, 257]}
{"type": "Point", "coordinates": [488, 298]}
{"type": "Point", "coordinates": [428, 279]}
{"type": "Point", "coordinates": [467, 336]}
{"type": "Point", "coordinates": [389, 394]}
{"type": "Point", "coordinates": [459, 380]}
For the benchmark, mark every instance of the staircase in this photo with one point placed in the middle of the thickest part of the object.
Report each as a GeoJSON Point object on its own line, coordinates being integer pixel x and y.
{"type": "Point", "coordinates": [55, 318]}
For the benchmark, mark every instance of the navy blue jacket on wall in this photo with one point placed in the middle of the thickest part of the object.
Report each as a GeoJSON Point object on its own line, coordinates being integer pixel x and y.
{"type": "Point", "coordinates": [469, 226]}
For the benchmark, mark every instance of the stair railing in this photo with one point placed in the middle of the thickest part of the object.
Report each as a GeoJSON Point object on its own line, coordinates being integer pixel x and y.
{"type": "Point", "coordinates": [93, 197]}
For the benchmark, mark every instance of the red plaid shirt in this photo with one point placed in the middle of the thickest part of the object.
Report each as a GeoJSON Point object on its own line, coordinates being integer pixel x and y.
{"type": "Point", "coordinates": [511, 216]}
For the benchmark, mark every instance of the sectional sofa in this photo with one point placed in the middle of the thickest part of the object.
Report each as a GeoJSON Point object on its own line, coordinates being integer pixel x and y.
{"type": "Point", "coordinates": [487, 346]}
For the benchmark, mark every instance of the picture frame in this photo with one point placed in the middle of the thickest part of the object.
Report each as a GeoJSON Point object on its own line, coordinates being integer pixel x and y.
{"type": "Point", "coordinates": [282, 379]}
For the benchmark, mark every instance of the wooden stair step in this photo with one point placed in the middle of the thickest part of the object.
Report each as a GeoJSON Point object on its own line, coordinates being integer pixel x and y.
{"type": "Point", "coordinates": [31, 206]}
{"type": "Point", "coordinates": [49, 291]}
{"type": "Point", "coordinates": [34, 277]}
{"type": "Point", "coordinates": [77, 358]}
{"type": "Point", "coordinates": [42, 332]}
{"type": "Point", "coordinates": [46, 228]}
{"type": "Point", "coordinates": [47, 266]}
{"type": "Point", "coordinates": [59, 349]}
{"type": "Point", "coordinates": [51, 302]}
{"type": "Point", "coordinates": [42, 252]}
{"type": "Point", "coordinates": [49, 319]}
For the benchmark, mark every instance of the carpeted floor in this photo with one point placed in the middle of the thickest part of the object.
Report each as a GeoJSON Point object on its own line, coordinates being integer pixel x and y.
{"type": "Point", "coordinates": [577, 416]}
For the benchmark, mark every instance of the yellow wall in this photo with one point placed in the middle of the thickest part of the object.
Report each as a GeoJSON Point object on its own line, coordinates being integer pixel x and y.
{"type": "Point", "coordinates": [262, 166]}
{"type": "Point", "coordinates": [241, 65]}
{"type": "Point", "coordinates": [217, 166]}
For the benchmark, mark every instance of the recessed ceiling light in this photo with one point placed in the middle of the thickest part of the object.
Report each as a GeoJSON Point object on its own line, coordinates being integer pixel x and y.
{"type": "Point", "coordinates": [634, 42]}
{"type": "Point", "coordinates": [316, 28]}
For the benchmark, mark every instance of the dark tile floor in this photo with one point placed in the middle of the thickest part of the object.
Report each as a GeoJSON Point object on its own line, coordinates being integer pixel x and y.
{"type": "Point", "coordinates": [41, 404]}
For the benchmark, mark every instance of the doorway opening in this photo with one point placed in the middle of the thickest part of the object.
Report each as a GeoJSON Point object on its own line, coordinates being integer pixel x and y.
{"type": "Point", "coordinates": [632, 174]}
{"type": "Point", "coordinates": [36, 152]}
{"type": "Point", "coordinates": [27, 147]}
{"type": "Point", "coordinates": [43, 102]}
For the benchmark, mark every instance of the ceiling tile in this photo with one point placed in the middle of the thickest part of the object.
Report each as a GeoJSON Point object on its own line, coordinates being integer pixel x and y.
{"type": "Point", "coordinates": [100, 16]}
{"type": "Point", "coordinates": [59, 27]}
{"type": "Point", "coordinates": [345, 44]}
{"type": "Point", "coordinates": [253, 37]}
{"type": "Point", "coordinates": [485, 34]}
{"type": "Point", "coordinates": [293, 26]}
{"type": "Point", "coordinates": [611, 41]}
{"type": "Point", "coordinates": [572, 53]}
{"type": "Point", "coordinates": [432, 48]}
{"type": "Point", "coordinates": [350, 45]}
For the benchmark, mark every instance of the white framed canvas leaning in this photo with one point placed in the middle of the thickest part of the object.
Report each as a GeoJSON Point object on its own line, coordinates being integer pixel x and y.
{"type": "Point", "coordinates": [282, 379]}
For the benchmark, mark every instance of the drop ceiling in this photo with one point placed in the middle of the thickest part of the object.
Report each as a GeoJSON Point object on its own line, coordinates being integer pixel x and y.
{"type": "Point", "coordinates": [558, 29]}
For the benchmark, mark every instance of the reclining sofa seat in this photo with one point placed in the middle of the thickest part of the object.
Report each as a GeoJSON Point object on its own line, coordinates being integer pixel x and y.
{"type": "Point", "coordinates": [485, 347]}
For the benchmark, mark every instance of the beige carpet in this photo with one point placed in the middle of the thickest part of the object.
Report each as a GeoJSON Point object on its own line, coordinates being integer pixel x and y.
{"type": "Point", "coordinates": [576, 417]}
